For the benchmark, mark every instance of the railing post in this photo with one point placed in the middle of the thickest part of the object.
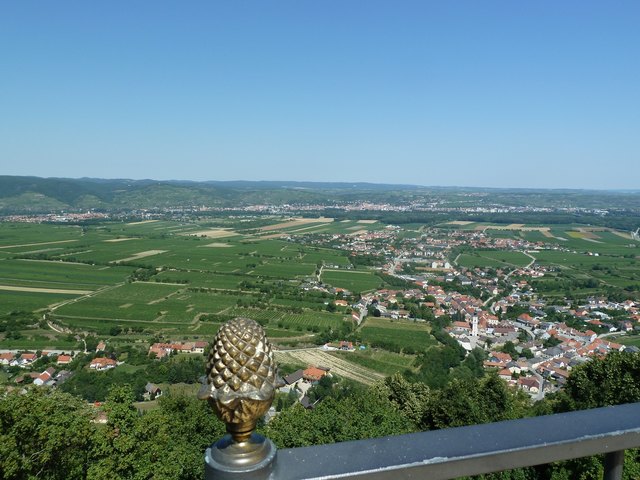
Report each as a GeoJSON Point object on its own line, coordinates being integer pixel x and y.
{"type": "Point", "coordinates": [613, 465]}
{"type": "Point", "coordinates": [241, 384]}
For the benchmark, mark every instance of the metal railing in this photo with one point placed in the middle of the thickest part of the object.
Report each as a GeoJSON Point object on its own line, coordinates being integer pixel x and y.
{"type": "Point", "coordinates": [473, 450]}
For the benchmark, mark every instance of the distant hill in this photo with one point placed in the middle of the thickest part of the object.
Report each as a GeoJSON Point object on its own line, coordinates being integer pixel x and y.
{"type": "Point", "coordinates": [38, 195]}
{"type": "Point", "coordinates": [42, 195]}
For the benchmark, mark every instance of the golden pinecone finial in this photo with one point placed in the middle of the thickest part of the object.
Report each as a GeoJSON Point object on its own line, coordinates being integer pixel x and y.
{"type": "Point", "coordinates": [241, 376]}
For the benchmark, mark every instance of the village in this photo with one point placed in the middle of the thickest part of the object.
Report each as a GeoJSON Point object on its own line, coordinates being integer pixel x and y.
{"type": "Point", "coordinates": [526, 339]}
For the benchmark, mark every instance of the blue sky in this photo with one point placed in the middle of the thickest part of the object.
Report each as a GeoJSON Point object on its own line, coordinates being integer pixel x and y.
{"type": "Point", "coordinates": [491, 93]}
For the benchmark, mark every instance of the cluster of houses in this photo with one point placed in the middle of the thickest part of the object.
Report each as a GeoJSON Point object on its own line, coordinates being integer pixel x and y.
{"type": "Point", "coordinates": [26, 359]}
{"type": "Point", "coordinates": [52, 376]}
{"type": "Point", "coordinates": [161, 350]}
{"type": "Point", "coordinates": [100, 363]}
{"type": "Point", "coordinates": [49, 377]}
{"type": "Point", "coordinates": [548, 367]}
{"type": "Point", "coordinates": [480, 323]}
{"type": "Point", "coordinates": [57, 218]}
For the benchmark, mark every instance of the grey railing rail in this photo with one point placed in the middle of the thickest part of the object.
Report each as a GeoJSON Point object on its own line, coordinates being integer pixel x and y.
{"type": "Point", "coordinates": [472, 450]}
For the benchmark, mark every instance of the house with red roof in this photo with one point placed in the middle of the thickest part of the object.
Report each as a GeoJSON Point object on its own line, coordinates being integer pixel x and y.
{"type": "Point", "coordinates": [44, 377]}
{"type": "Point", "coordinates": [525, 318]}
{"type": "Point", "coordinates": [64, 359]}
{"type": "Point", "coordinates": [529, 384]}
{"type": "Point", "coordinates": [313, 374]}
{"type": "Point", "coordinates": [6, 358]}
{"type": "Point", "coordinates": [186, 347]}
{"type": "Point", "coordinates": [27, 359]}
{"type": "Point", "coordinates": [199, 347]}
{"type": "Point", "coordinates": [102, 363]}
{"type": "Point", "coordinates": [161, 350]}
{"type": "Point", "coordinates": [500, 357]}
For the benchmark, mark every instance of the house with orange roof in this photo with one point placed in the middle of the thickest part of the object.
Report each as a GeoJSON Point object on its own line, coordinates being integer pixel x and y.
{"type": "Point", "coordinates": [500, 357]}
{"type": "Point", "coordinates": [44, 377]}
{"type": "Point", "coordinates": [186, 347]}
{"type": "Point", "coordinates": [199, 347]}
{"type": "Point", "coordinates": [525, 318]}
{"type": "Point", "coordinates": [64, 359]}
{"type": "Point", "coordinates": [6, 358]}
{"type": "Point", "coordinates": [102, 363]}
{"type": "Point", "coordinates": [461, 325]}
{"type": "Point", "coordinates": [27, 359]}
{"type": "Point", "coordinates": [313, 374]}
{"type": "Point", "coordinates": [161, 350]}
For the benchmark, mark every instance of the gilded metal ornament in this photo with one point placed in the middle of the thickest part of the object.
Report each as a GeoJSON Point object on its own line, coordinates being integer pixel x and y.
{"type": "Point", "coordinates": [241, 376]}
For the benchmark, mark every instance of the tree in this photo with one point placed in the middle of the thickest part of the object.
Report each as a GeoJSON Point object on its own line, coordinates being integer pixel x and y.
{"type": "Point", "coordinates": [612, 380]}
{"type": "Point", "coordinates": [472, 366]}
{"type": "Point", "coordinates": [165, 443]}
{"type": "Point", "coordinates": [323, 388]}
{"type": "Point", "coordinates": [469, 402]}
{"type": "Point", "coordinates": [361, 414]}
{"type": "Point", "coordinates": [510, 348]}
{"type": "Point", "coordinates": [411, 399]}
{"type": "Point", "coordinates": [44, 435]}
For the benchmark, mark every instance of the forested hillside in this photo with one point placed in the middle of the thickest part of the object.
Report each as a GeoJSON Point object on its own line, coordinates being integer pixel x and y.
{"type": "Point", "coordinates": [45, 195]}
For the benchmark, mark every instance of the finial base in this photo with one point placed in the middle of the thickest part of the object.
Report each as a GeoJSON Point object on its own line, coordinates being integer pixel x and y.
{"type": "Point", "coordinates": [251, 459]}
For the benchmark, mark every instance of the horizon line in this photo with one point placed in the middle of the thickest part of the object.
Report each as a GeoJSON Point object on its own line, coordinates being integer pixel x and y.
{"type": "Point", "coordinates": [316, 182]}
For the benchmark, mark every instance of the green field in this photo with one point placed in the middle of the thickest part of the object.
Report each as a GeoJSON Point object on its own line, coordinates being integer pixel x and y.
{"type": "Point", "coordinates": [576, 237]}
{"type": "Point", "coordinates": [633, 340]}
{"type": "Point", "coordinates": [354, 281]}
{"type": "Point", "coordinates": [221, 281]}
{"type": "Point", "coordinates": [396, 335]}
{"type": "Point", "coordinates": [17, 236]}
{"type": "Point", "coordinates": [156, 302]}
{"type": "Point", "coordinates": [42, 342]}
{"type": "Point", "coordinates": [379, 360]}
{"type": "Point", "coordinates": [493, 258]}
{"type": "Point", "coordinates": [284, 269]}
{"type": "Point", "coordinates": [60, 275]}
{"type": "Point", "coordinates": [29, 301]}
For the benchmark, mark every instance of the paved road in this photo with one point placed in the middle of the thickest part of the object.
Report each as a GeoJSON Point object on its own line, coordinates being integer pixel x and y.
{"type": "Point", "coordinates": [57, 352]}
{"type": "Point", "coordinates": [528, 330]}
{"type": "Point", "coordinates": [394, 265]}
{"type": "Point", "coordinates": [609, 334]}
{"type": "Point", "coordinates": [533, 260]}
